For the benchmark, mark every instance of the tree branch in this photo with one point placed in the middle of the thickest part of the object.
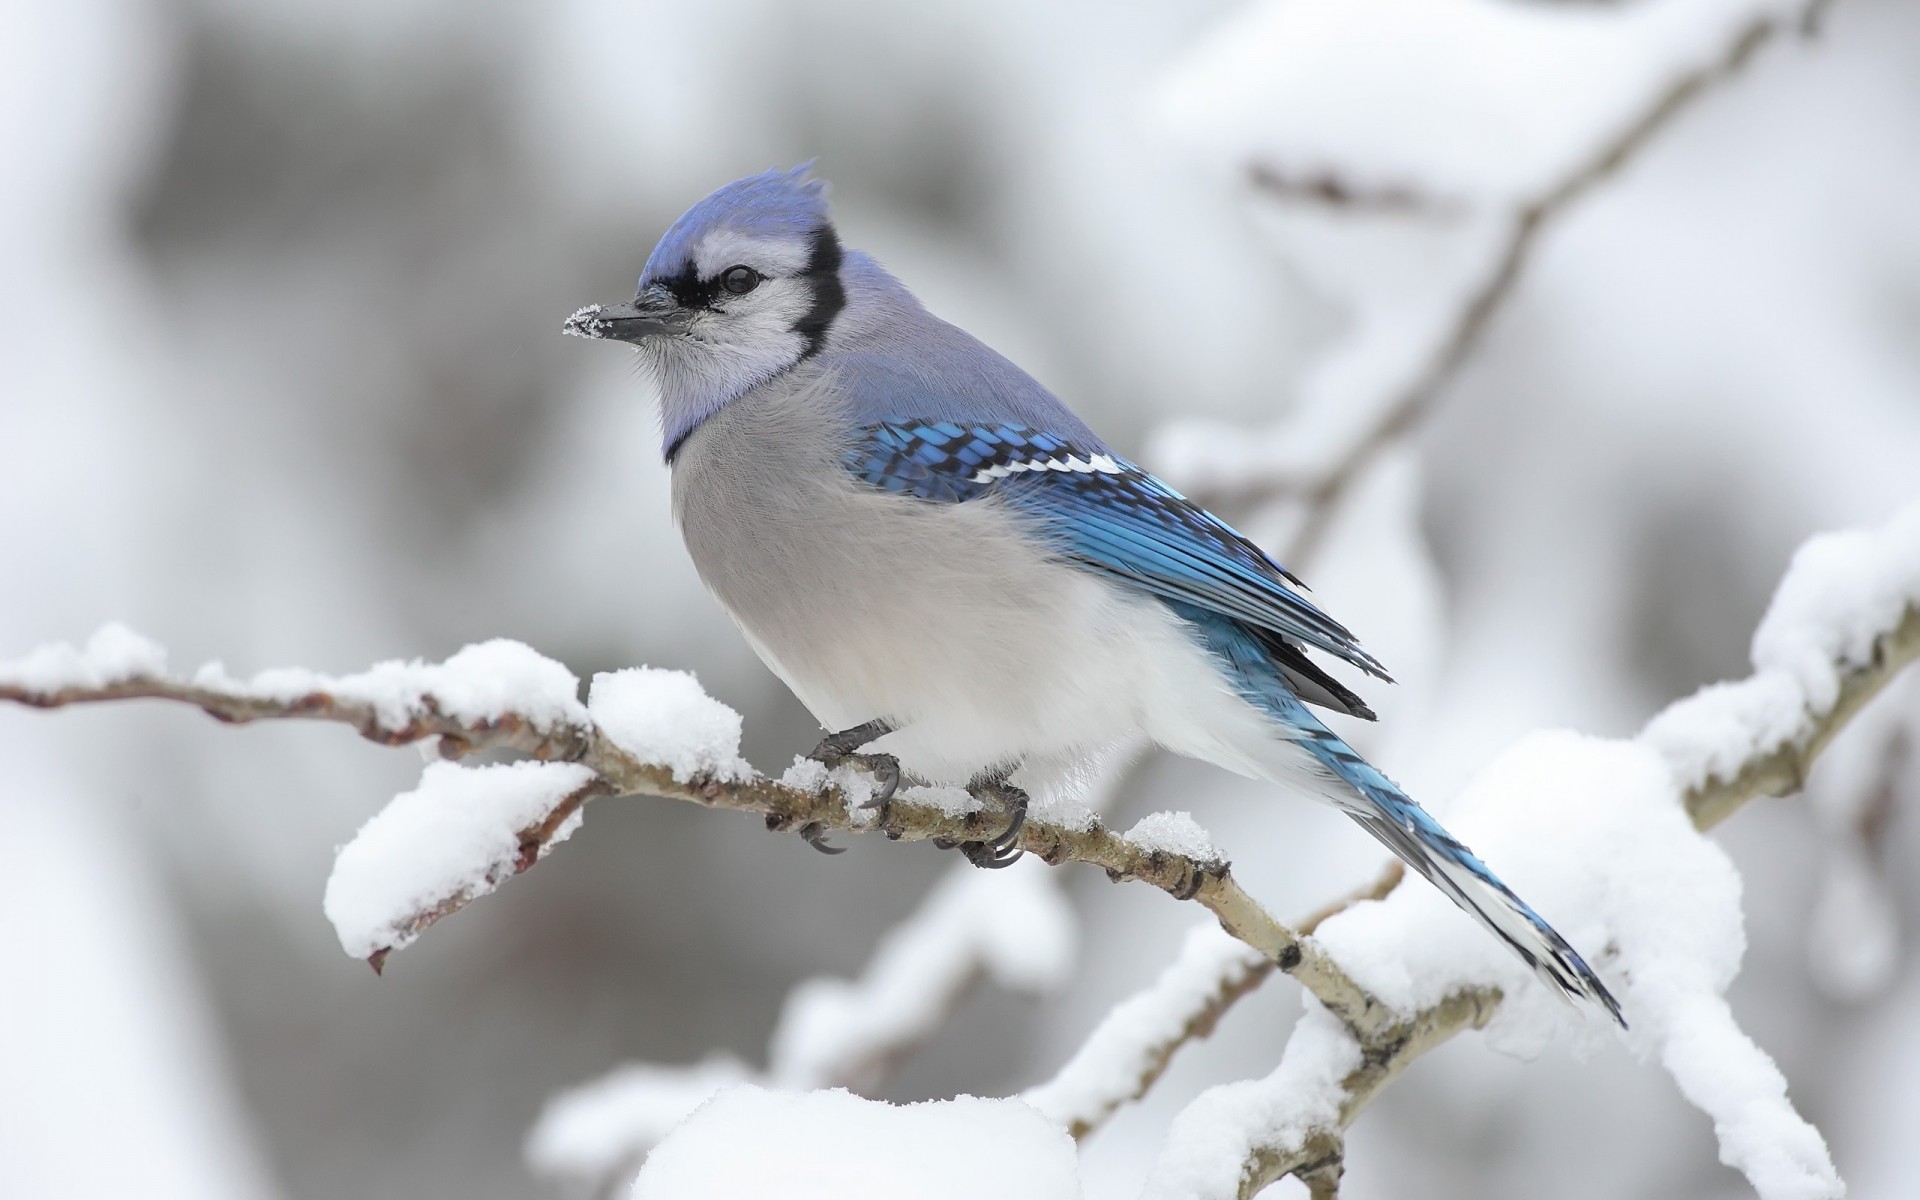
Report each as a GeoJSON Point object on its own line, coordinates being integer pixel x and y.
{"type": "Point", "coordinates": [1321, 496]}
{"type": "Point", "coordinates": [420, 712]}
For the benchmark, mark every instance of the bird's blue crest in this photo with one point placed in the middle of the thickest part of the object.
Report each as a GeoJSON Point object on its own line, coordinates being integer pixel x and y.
{"type": "Point", "coordinates": [774, 203]}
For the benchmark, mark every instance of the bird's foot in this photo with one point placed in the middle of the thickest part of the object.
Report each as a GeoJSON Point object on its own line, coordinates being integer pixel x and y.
{"type": "Point", "coordinates": [815, 835]}
{"type": "Point", "coordinates": [840, 750]}
{"type": "Point", "coordinates": [1004, 849]}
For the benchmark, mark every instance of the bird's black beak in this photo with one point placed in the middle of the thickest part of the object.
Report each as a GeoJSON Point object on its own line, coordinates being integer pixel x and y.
{"type": "Point", "coordinates": [649, 315]}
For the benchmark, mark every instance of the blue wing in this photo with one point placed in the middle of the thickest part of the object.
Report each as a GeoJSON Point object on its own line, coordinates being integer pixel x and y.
{"type": "Point", "coordinates": [1105, 513]}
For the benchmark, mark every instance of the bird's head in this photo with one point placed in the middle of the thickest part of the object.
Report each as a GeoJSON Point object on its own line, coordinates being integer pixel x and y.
{"type": "Point", "coordinates": [743, 287]}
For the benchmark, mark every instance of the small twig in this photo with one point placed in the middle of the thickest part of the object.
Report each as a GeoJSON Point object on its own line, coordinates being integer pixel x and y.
{"type": "Point", "coordinates": [1785, 770]}
{"type": "Point", "coordinates": [1322, 1171]}
{"type": "Point", "coordinates": [1321, 498]}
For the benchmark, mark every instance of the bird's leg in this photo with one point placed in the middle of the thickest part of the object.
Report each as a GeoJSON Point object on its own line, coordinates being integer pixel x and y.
{"type": "Point", "coordinates": [839, 749]}
{"type": "Point", "coordinates": [1003, 849]}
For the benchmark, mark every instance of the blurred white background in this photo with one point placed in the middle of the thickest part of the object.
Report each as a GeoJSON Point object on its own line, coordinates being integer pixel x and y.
{"type": "Point", "coordinates": [283, 383]}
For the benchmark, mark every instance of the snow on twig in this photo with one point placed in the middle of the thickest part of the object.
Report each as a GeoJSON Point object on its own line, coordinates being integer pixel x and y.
{"type": "Point", "coordinates": [1134, 1042]}
{"type": "Point", "coordinates": [1420, 216]}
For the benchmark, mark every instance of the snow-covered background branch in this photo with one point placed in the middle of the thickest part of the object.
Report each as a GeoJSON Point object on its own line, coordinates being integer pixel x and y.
{"type": "Point", "coordinates": [282, 281]}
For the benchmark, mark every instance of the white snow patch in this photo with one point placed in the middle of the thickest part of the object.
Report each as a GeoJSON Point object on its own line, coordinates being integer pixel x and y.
{"type": "Point", "coordinates": [455, 835]}
{"type": "Point", "coordinates": [481, 682]}
{"type": "Point", "coordinates": [807, 775]}
{"type": "Point", "coordinates": [1592, 834]}
{"type": "Point", "coordinates": [952, 801]}
{"type": "Point", "coordinates": [665, 717]}
{"type": "Point", "coordinates": [588, 1134]}
{"type": "Point", "coordinates": [1842, 591]}
{"type": "Point", "coordinates": [1212, 1137]}
{"type": "Point", "coordinates": [749, 1143]}
{"type": "Point", "coordinates": [1174, 833]}
{"type": "Point", "coordinates": [812, 776]}
{"type": "Point", "coordinates": [1012, 926]}
{"type": "Point", "coordinates": [1108, 1068]}
{"type": "Point", "coordinates": [114, 654]}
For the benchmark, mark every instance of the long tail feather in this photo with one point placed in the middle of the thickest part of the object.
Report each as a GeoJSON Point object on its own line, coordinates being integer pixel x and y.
{"type": "Point", "coordinates": [1405, 828]}
{"type": "Point", "coordinates": [1357, 788]}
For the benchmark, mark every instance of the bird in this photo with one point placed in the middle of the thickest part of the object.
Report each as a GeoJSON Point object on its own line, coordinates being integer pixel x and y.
{"type": "Point", "coordinates": [953, 572]}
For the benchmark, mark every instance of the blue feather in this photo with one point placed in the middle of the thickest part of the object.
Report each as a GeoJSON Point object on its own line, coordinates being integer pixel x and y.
{"type": "Point", "coordinates": [1122, 522]}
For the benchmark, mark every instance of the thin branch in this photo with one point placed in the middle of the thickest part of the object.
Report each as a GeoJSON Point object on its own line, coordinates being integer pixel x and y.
{"type": "Point", "coordinates": [1199, 987]}
{"type": "Point", "coordinates": [1321, 500]}
{"type": "Point", "coordinates": [1784, 771]}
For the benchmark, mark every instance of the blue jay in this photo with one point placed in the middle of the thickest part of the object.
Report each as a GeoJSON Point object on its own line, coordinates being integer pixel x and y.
{"type": "Point", "coordinates": [938, 557]}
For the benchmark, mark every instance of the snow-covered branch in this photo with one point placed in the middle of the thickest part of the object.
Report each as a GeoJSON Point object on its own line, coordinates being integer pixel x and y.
{"type": "Point", "coordinates": [1261, 99]}
{"type": "Point", "coordinates": [641, 732]}
{"type": "Point", "coordinates": [1135, 1043]}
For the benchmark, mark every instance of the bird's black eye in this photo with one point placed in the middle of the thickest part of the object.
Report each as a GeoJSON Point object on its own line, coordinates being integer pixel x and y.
{"type": "Point", "coordinates": [740, 280]}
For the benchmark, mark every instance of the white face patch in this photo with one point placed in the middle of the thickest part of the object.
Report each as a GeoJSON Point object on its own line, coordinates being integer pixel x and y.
{"type": "Point", "coordinates": [772, 257]}
{"type": "Point", "coordinates": [1098, 464]}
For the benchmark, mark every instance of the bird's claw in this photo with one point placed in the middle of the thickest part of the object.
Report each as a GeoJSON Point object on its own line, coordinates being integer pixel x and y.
{"type": "Point", "coordinates": [815, 835]}
{"type": "Point", "coordinates": [841, 750]}
{"type": "Point", "coordinates": [986, 855]}
{"type": "Point", "coordinates": [1004, 849]}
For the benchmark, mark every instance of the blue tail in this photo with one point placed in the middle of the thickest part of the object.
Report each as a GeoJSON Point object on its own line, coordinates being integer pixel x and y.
{"type": "Point", "coordinates": [1358, 789]}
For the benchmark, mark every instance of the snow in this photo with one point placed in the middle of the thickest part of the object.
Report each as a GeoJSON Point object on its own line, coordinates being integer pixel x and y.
{"type": "Point", "coordinates": [1436, 101]}
{"type": "Point", "coordinates": [584, 322]}
{"type": "Point", "coordinates": [748, 1143]}
{"type": "Point", "coordinates": [590, 1133]}
{"type": "Point", "coordinates": [454, 837]}
{"type": "Point", "coordinates": [1174, 833]}
{"type": "Point", "coordinates": [1212, 1137]}
{"type": "Point", "coordinates": [1841, 592]}
{"type": "Point", "coordinates": [1592, 834]}
{"type": "Point", "coordinates": [665, 717]}
{"type": "Point", "coordinates": [479, 683]}
{"type": "Point", "coordinates": [1109, 1066]}
{"type": "Point", "coordinates": [807, 775]}
{"type": "Point", "coordinates": [114, 654]}
{"type": "Point", "coordinates": [1012, 926]}
{"type": "Point", "coordinates": [950, 801]}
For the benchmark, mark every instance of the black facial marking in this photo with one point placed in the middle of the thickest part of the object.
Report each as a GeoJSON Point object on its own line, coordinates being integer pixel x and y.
{"type": "Point", "coordinates": [829, 295]}
{"type": "Point", "coordinates": [690, 290]}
